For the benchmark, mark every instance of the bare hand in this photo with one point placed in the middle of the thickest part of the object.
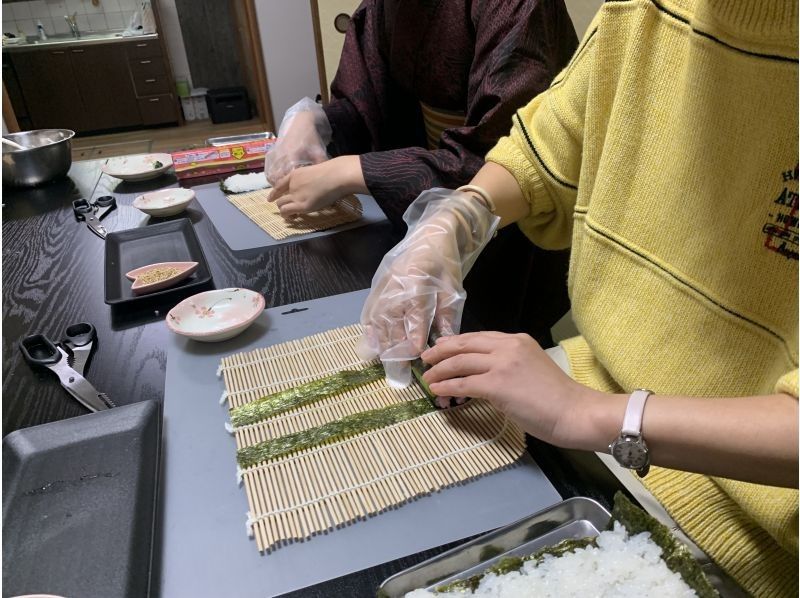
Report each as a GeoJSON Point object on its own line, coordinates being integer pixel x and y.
{"type": "Point", "coordinates": [514, 373]}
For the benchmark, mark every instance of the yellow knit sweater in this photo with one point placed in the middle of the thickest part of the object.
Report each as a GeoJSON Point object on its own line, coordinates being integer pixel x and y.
{"type": "Point", "coordinates": [666, 155]}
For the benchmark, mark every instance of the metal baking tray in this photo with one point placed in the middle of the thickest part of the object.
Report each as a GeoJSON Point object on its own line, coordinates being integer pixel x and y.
{"type": "Point", "coordinates": [577, 517]}
{"type": "Point", "coordinates": [79, 504]}
{"type": "Point", "coordinates": [231, 139]}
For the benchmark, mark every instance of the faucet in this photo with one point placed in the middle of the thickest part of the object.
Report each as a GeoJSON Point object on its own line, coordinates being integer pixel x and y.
{"type": "Point", "coordinates": [72, 24]}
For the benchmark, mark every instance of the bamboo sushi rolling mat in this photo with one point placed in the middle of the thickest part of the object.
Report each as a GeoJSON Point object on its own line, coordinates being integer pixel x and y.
{"type": "Point", "coordinates": [328, 486]}
{"type": "Point", "coordinates": [255, 205]}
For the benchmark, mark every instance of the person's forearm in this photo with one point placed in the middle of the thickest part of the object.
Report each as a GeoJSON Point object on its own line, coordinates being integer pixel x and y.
{"type": "Point", "coordinates": [707, 435]}
{"type": "Point", "coordinates": [349, 176]}
{"type": "Point", "coordinates": [509, 201]}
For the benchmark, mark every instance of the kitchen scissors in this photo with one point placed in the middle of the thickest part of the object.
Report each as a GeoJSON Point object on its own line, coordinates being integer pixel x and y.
{"type": "Point", "coordinates": [79, 340]}
{"type": "Point", "coordinates": [92, 212]}
{"type": "Point", "coordinates": [39, 350]}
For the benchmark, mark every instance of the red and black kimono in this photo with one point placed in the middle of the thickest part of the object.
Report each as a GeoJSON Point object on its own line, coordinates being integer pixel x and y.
{"type": "Point", "coordinates": [423, 91]}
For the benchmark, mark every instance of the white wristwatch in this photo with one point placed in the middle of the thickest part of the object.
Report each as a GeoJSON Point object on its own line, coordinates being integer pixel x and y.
{"type": "Point", "coordinates": [630, 449]}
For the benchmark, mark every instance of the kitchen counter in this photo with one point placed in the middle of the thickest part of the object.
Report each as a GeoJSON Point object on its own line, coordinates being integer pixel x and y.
{"type": "Point", "coordinates": [104, 81]}
{"type": "Point", "coordinates": [67, 41]}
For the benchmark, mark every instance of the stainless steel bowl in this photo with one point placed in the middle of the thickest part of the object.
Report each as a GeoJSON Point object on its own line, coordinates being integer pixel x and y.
{"type": "Point", "coordinates": [48, 156]}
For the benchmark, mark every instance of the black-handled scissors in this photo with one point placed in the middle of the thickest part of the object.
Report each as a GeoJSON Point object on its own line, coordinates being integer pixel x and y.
{"type": "Point", "coordinates": [39, 350]}
{"type": "Point", "coordinates": [79, 340]}
{"type": "Point", "coordinates": [85, 210]}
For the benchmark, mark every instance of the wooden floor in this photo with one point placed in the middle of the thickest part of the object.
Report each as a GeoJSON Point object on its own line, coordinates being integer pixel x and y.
{"type": "Point", "coordinates": [193, 134]}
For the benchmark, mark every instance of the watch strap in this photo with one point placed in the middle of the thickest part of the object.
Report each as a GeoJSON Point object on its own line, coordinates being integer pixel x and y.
{"type": "Point", "coordinates": [634, 412]}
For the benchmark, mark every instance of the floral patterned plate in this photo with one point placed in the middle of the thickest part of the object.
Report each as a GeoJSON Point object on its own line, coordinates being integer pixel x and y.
{"type": "Point", "coordinates": [164, 202]}
{"type": "Point", "coordinates": [139, 167]}
{"type": "Point", "coordinates": [215, 315]}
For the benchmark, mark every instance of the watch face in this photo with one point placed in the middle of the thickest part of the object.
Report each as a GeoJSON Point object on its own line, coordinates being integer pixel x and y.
{"type": "Point", "coordinates": [629, 453]}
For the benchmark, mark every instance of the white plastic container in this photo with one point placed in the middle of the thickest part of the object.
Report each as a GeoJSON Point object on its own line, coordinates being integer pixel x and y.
{"type": "Point", "coordinates": [189, 112]}
{"type": "Point", "coordinates": [198, 98]}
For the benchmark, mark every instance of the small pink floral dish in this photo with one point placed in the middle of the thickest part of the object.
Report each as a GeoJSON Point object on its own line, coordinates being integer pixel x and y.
{"type": "Point", "coordinates": [215, 315]}
{"type": "Point", "coordinates": [164, 202]}
{"type": "Point", "coordinates": [139, 167]}
{"type": "Point", "coordinates": [155, 277]}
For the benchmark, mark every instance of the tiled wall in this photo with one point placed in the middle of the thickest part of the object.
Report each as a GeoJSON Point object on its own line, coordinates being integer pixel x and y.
{"type": "Point", "coordinates": [22, 17]}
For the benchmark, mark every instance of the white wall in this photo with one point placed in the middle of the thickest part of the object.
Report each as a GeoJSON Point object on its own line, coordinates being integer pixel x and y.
{"type": "Point", "coordinates": [290, 59]}
{"type": "Point", "coordinates": [582, 12]}
{"type": "Point", "coordinates": [333, 40]}
{"type": "Point", "coordinates": [174, 38]}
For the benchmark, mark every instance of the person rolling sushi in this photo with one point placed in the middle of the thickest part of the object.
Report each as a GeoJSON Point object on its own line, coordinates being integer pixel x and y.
{"type": "Point", "coordinates": [666, 155]}
{"type": "Point", "coordinates": [423, 90]}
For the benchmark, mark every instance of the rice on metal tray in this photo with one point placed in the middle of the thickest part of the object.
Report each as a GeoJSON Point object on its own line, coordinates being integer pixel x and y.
{"type": "Point", "coordinates": [618, 565]}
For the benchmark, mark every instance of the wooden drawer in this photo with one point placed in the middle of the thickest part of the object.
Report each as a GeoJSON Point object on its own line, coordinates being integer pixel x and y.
{"type": "Point", "coordinates": [158, 109]}
{"type": "Point", "coordinates": [148, 67]}
{"type": "Point", "coordinates": [151, 85]}
{"type": "Point", "coordinates": [13, 88]}
{"type": "Point", "coordinates": [144, 49]}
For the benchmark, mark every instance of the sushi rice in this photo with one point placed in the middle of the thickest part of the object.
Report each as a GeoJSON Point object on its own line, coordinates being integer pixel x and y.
{"type": "Point", "coordinates": [620, 565]}
{"type": "Point", "coordinates": [241, 183]}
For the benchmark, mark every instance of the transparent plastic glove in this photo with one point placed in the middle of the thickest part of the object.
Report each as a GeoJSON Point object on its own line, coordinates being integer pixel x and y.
{"type": "Point", "coordinates": [303, 137]}
{"type": "Point", "coordinates": [419, 284]}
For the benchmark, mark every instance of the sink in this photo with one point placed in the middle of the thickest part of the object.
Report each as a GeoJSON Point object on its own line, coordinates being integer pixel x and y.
{"type": "Point", "coordinates": [69, 39]}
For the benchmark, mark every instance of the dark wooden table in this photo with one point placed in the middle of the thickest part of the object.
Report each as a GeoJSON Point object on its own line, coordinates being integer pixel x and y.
{"type": "Point", "coordinates": [52, 276]}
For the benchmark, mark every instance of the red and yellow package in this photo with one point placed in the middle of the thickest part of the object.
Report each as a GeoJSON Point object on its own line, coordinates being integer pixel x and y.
{"type": "Point", "coordinates": [225, 158]}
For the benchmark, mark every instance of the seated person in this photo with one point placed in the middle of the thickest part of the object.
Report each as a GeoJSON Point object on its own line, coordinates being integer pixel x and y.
{"type": "Point", "coordinates": [665, 154]}
{"type": "Point", "coordinates": [422, 92]}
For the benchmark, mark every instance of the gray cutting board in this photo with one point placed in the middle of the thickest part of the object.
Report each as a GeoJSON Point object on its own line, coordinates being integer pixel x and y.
{"type": "Point", "coordinates": [239, 232]}
{"type": "Point", "coordinates": [205, 548]}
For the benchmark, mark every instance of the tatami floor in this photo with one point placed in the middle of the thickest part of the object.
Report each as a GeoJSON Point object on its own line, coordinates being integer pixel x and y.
{"type": "Point", "coordinates": [192, 135]}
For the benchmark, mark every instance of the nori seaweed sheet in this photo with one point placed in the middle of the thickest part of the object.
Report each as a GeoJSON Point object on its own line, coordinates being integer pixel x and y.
{"type": "Point", "coordinates": [675, 553]}
{"type": "Point", "coordinates": [347, 426]}
{"type": "Point", "coordinates": [284, 400]}
{"type": "Point", "coordinates": [635, 520]}
{"type": "Point", "coordinates": [514, 563]}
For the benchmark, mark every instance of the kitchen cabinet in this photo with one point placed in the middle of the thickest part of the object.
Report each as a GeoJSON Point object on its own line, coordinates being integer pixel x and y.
{"type": "Point", "coordinates": [93, 87]}
{"type": "Point", "coordinates": [11, 83]}
{"type": "Point", "coordinates": [105, 86]}
{"type": "Point", "coordinates": [152, 82]}
{"type": "Point", "coordinates": [47, 81]}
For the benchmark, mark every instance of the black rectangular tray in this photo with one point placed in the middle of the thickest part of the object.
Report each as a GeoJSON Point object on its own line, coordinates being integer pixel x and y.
{"type": "Point", "coordinates": [79, 504]}
{"type": "Point", "coordinates": [173, 241]}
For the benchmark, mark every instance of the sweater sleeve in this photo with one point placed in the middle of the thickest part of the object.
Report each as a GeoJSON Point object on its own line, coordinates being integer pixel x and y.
{"type": "Point", "coordinates": [544, 150]}
{"type": "Point", "coordinates": [788, 383]}
{"type": "Point", "coordinates": [519, 46]}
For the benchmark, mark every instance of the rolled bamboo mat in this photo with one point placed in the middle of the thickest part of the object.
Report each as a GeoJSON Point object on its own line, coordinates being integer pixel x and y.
{"type": "Point", "coordinates": [255, 205]}
{"type": "Point", "coordinates": [321, 488]}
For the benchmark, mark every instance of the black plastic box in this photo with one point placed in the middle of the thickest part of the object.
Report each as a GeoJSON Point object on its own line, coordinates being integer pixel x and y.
{"type": "Point", "coordinates": [228, 104]}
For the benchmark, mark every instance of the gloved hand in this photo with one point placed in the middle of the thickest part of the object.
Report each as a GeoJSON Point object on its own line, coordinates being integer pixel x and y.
{"type": "Point", "coordinates": [419, 284]}
{"type": "Point", "coordinates": [303, 137]}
